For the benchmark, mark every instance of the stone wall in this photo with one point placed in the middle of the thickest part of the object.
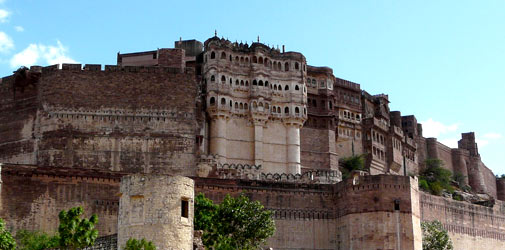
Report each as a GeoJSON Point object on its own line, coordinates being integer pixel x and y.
{"type": "Point", "coordinates": [318, 149]}
{"type": "Point", "coordinates": [312, 216]}
{"type": "Point", "coordinates": [470, 226]}
{"type": "Point", "coordinates": [135, 119]}
{"type": "Point", "coordinates": [32, 197]}
{"type": "Point", "coordinates": [158, 208]}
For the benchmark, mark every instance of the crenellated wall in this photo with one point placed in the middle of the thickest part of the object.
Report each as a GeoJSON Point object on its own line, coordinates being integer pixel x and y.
{"type": "Point", "coordinates": [470, 226]}
{"type": "Point", "coordinates": [32, 197]}
{"type": "Point", "coordinates": [122, 119]}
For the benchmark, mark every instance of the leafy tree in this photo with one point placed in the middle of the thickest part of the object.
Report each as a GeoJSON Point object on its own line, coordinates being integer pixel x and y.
{"type": "Point", "coordinates": [459, 178]}
{"type": "Point", "coordinates": [134, 244]}
{"type": "Point", "coordinates": [435, 237]}
{"type": "Point", "coordinates": [437, 177]}
{"type": "Point", "coordinates": [35, 240]}
{"type": "Point", "coordinates": [236, 223]}
{"type": "Point", "coordinates": [76, 232]}
{"type": "Point", "coordinates": [6, 240]}
{"type": "Point", "coordinates": [349, 164]}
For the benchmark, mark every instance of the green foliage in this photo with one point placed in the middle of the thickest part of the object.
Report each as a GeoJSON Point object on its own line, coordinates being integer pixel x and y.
{"type": "Point", "coordinates": [35, 240]}
{"type": "Point", "coordinates": [459, 178]}
{"type": "Point", "coordinates": [423, 184]}
{"type": "Point", "coordinates": [76, 232]}
{"type": "Point", "coordinates": [349, 164]}
{"type": "Point", "coordinates": [457, 197]}
{"type": "Point", "coordinates": [6, 240]}
{"type": "Point", "coordinates": [134, 244]}
{"type": "Point", "coordinates": [236, 223]}
{"type": "Point", "coordinates": [437, 177]}
{"type": "Point", "coordinates": [435, 237]}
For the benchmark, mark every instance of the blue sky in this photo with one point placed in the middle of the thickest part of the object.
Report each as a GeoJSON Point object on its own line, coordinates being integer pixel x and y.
{"type": "Point", "coordinates": [443, 61]}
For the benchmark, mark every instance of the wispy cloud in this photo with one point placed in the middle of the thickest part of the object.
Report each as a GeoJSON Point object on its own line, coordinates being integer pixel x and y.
{"type": "Point", "coordinates": [432, 128]}
{"type": "Point", "coordinates": [492, 136]}
{"type": "Point", "coordinates": [4, 14]}
{"type": "Point", "coordinates": [44, 54]}
{"type": "Point", "coordinates": [6, 42]}
{"type": "Point", "coordinates": [19, 28]}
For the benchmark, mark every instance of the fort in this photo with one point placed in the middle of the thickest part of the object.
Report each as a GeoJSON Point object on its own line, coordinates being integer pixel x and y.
{"type": "Point", "coordinates": [134, 142]}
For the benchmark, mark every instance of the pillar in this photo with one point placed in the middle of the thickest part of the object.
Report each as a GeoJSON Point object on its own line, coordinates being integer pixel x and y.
{"type": "Point", "coordinates": [293, 148]}
{"type": "Point", "coordinates": [258, 143]}
{"type": "Point", "coordinates": [218, 138]}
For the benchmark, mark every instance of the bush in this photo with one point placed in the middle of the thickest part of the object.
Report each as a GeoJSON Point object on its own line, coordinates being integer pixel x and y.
{"type": "Point", "coordinates": [459, 178]}
{"type": "Point", "coordinates": [35, 240]}
{"type": "Point", "coordinates": [457, 197]}
{"type": "Point", "coordinates": [236, 223]}
{"type": "Point", "coordinates": [423, 184]}
{"type": "Point", "coordinates": [134, 244]}
{"type": "Point", "coordinates": [435, 237]}
{"type": "Point", "coordinates": [352, 163]}
{"type": "Point", "coordinates": [436, 188]}
{"type": "Point", "coordinates": [436, 177]}
{"type": "Point", "coordinates": [6, 240]}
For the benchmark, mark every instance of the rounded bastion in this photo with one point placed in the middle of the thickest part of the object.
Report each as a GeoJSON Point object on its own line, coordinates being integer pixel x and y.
{"type": "Point", "coordinates": [158, 208]}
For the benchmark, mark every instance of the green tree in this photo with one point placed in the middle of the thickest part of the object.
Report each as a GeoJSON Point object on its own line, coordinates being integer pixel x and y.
{"type": "Point", "coordinates": [236, 223]}
{"type": "Point", "coordinates": [349, 164]}
{"type": "Point", "coordinates": [143, 244]}
{"type": "Point", "coordinates": [35, 240]}
{"type": "Point", "coordinates": [437, 177]}
{"type": "Point", "coordinates": [75, 232]}
{"type": "Point", "coordinates": [6, 240]}
{"type": "Point", "coordinates": [435, 237]}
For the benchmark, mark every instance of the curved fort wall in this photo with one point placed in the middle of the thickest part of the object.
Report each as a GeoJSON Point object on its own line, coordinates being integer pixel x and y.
{"type": "Point", "coordinates": [158, 208]}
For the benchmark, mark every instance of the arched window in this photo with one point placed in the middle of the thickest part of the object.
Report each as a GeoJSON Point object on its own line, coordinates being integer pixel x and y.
{"type": "Point", "coordinates": [236, 58]}
{"type": "Point", "coordinates": [267, 106]}
{"type": "Point", "coordinates": [223, 101]}
{"type": "Point", "coordinates": [260, 60]}
{"type": "Point", "coordinates": [297, 110]}
{"type": "Point", "coordinates": [246, 83]}
{"type": "Point", "coordinates": [254, 59]}
{"type": "Point", "coordinates": [266, 83]}
{"type": "Point", "coordinates": [230, 58]}
{"type": "Point", "coordinates": [236, 82]}
{"type": "Point", "coordinates": [261, 104]}
{"type": "Point", "coordinates": [274, 110]}
{"type": "Point", "coordinates": [247, 59]}
{"type": "Point", "coordinates": [231, 104]}
{"type": "Point", "coordinates": [322, 84]}
{"type": "Point", "coordinates": [279, 67]}
{"type": "Point", "coordinates": [255, 105]}
{"type": "Point", "coordinates": [286, 110]}
{"type": "Point", "coordinates": [314, 83]}
{"type": "Point", "coordinates": [286, 88]}
{"type": "Point", "coordinates": [212, 55]}
{"type": "Point", "coordinates": [223, 79]}
{"type": "Point", "coordinates": [212, 101]}
{"type": "Point", "coordinates": [266, 62]}
{"type": "Point", "coordinates": [296, 87]}
{"type": "Point", "coordinates": [296, 66]}
{"type": "Point", "coordinates": [241, 82]}
{"type": "Point", "coordinates": [275, 87]}
{"type": "Point", "coordinates": [246, 106]}
{"type": "Point", "coordinates": [275, 65]}
{"type": "Point", "coordinates": [212, 78]}
{"type": "Point", "coordinates": [242, 59]}
{"type": "Point", "coordinates": [231, 81]}
{"type": "Point", "coordinates": [255, 83]}
{"type": "Point", "coordinates": [236, 105]}
{"type": "Point", "coordinates": [260, 83]}
{"type": "Point", "coordinates": [241, 106]}
{"type": "Point", "coordinates": [279, 110]}
{"type": "Point", "coordinates": [286, 66]}
{"type": "Point", "coordinates": [223, 55]}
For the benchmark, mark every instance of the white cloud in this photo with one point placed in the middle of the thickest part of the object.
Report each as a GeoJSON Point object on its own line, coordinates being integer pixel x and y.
{"type": "Point", "coordinates": [433, 128]}
{"type": "Point", "coordinates": [19, 28]}
{"type": "Point", "coordinates": [450, 142]}
{"type": "Point", "coordinates": [481, 143]}
{"type": "Point", "coordinates": [492, 136]}
{"type": "Point", "coordinates": [39, 53]}
{"type": "Point", "coordinates": [6, 42]}
{"type": "Point", "coordinates": [4, 15]}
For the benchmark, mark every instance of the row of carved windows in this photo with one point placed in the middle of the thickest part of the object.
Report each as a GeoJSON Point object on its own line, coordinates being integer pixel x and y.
{"type": "Point", "coordinates": [257, 60]}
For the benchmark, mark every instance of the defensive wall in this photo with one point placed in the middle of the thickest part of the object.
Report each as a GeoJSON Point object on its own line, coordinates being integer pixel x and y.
{"type": "Point", "coordinates": [32, 197]}
{"type": "Point", "coordinates": [131, 118]}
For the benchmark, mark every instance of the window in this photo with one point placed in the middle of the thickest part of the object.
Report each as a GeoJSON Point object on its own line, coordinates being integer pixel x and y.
{"type": "Point", "coordinates": [223, 55]}
{"type": "Point", "coordinates": [184, 208]}
{"type": "Point", "coordinates": [286, 66]}
{"type": "Point", "coordinates": [212, 101]}
{"type": "Point", "coordinates": [223, 79]}
{"type": "Point", "coordinates": [223, 101]}
{"type": "Point", "coordinates": [297, 88]}
{"type": "Point", "coordinates": [286, 88]}
{"type": "Point", "coordinates": [212, 55]}
{"type": "Point", "coordinates": [286, 110]}
{"type": "Point", "coordinates": [212, 78]}
{"type": "Point", "coordinates": [296, 66]}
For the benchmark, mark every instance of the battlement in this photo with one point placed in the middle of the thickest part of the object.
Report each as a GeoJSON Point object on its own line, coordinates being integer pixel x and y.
{"type": "Point", "coordinates": [113, 68]}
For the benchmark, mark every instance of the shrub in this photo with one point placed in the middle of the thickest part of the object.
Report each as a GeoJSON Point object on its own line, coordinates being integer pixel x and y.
{"type": "Point", "coordinates": [423, 184]}
{"type": "Point", "coordinates": [435, 237]}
